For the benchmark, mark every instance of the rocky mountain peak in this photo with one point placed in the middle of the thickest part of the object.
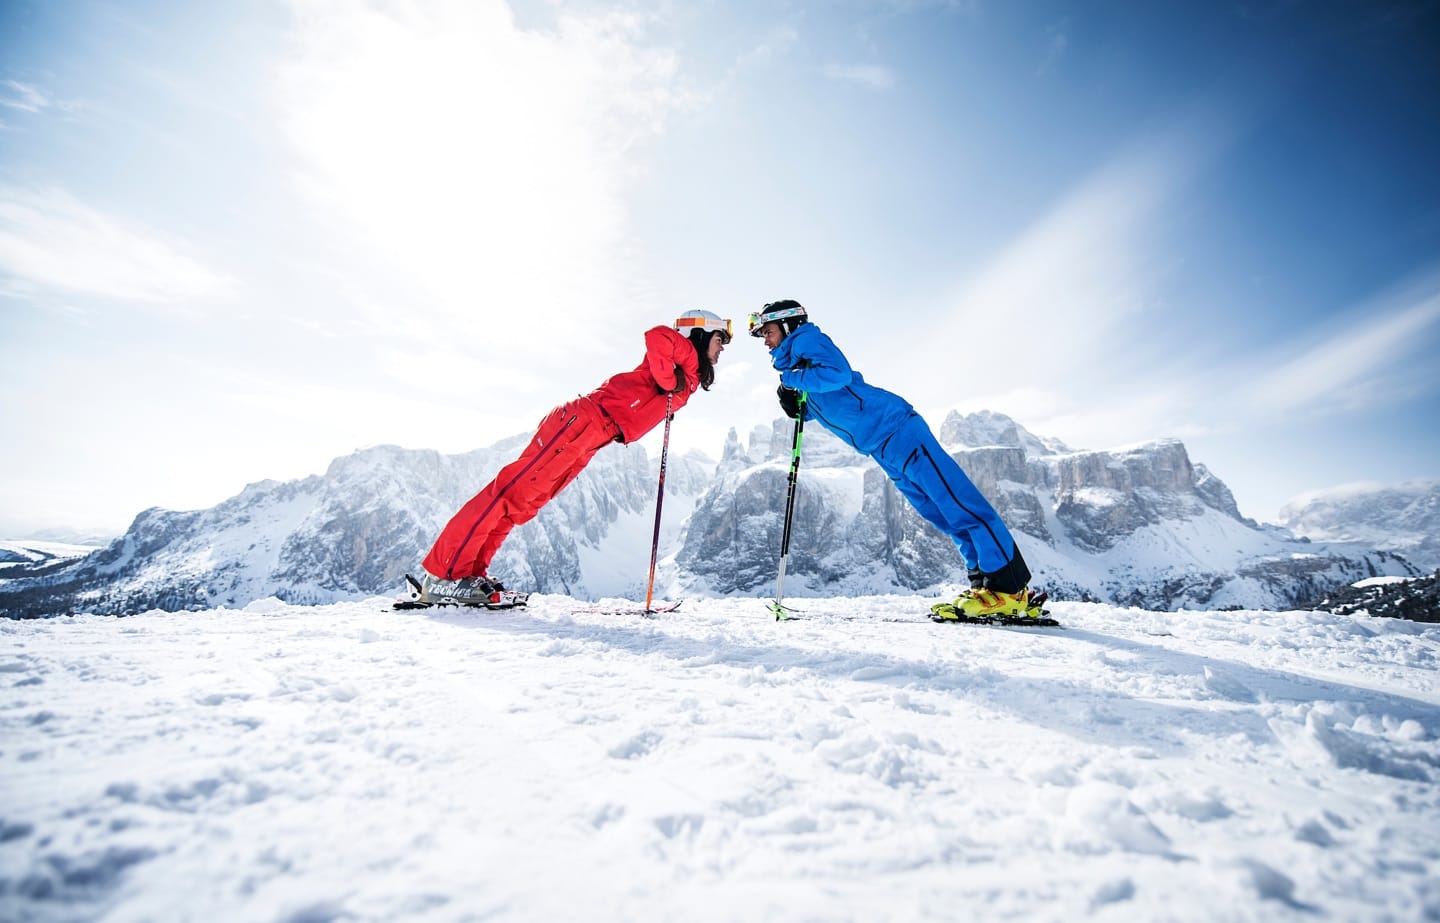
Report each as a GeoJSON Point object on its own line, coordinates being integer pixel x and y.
{"type": "Point", "coordinates": [987, 428]}
{"type": "Point", "coordinates": [733, 457]}
{"type": "Point", "coordinates": [1139, 525]}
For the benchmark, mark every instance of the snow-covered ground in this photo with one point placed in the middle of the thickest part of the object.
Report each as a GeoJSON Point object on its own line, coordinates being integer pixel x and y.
{"type": "Point", "coordinates": [349, 762]}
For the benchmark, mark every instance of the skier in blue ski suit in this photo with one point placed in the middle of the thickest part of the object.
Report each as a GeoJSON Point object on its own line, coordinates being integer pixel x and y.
{"type": "Point", "coordinates": [885, 427]}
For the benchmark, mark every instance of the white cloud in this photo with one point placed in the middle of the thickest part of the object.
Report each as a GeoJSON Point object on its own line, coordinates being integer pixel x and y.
{"type": "Point", "coordinates": [1075, 270]}
{"type": "Point", "coordinates": [1064, 330]}
{"type": "Point", "coordinates": [22, 96]}
{"type": "Point", "coordinates": [1366, 361]}
{"type": "Point", "coordinates": [777, 42]}
{"type": "Point", "coordinates": [1053, 329]}
{"type": "Point", "coordinates": [869, 75]}
{"type": "Point", "coordinates": [478, 169]}
{"type": "Point", "coordinates": [1076, 276]}
{"type": "Point", "coordinates": [51, 240]}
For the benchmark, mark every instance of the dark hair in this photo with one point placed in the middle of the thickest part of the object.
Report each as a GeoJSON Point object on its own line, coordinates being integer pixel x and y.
{"type": "Point", "coordinates": [701, 341]}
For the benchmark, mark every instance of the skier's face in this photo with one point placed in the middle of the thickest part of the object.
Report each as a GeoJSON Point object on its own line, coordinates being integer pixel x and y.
{"type": "Point", "coordinates": [772, 333]}
{"type": "Point", "coordinates": [717, 346]}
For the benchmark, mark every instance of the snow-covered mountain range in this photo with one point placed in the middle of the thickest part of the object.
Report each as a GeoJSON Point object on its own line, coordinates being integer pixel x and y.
{"type": "Point", "coordinates": [1404, 518]}
{"type": "Point", "coordinates": [1138, 525]}
{"type": "Point", "coordinates": [39, 556]}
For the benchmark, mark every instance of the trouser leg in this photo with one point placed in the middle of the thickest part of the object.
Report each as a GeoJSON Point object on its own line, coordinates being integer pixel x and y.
{"type": "Point", "coordinates": [940, 491]}
{"type": "Point", "coordinates": [566, 440]}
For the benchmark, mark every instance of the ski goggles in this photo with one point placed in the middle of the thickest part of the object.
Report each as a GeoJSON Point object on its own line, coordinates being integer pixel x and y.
{"type": "Point", "coordinates": [704, 323]}
{"type": "Point", "coordinates": [765, 317]}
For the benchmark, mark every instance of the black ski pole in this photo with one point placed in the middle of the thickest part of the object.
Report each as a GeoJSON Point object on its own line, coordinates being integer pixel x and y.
{"type": "Point", "coordinates": [659, 500]}
{"type": "Point", "coordinates": [778, 606]}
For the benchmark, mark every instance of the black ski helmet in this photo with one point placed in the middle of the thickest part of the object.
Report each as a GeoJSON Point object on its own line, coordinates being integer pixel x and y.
{"type": "Point", "coordinates": [789, 314]}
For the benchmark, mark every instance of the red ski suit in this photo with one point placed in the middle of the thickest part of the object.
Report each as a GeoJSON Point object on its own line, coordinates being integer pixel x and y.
{"type": "Point", "coordinates": [624, 408]}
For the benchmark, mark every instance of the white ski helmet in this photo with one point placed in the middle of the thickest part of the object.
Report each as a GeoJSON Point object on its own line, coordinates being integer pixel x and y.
{"type": "Point", "coordinates": [691, 321]}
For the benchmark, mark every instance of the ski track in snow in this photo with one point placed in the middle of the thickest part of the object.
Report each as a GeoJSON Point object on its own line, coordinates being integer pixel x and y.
{"type": "Point", "coordinates": [347, 762]}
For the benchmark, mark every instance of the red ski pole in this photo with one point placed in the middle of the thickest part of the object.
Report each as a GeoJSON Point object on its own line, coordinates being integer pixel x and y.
{"type": "Point", "coordinates": [659, 500]}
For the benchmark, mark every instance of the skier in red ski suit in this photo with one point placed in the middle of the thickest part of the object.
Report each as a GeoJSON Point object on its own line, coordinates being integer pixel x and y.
{"type": "Point", "coordinates": [623, 409]}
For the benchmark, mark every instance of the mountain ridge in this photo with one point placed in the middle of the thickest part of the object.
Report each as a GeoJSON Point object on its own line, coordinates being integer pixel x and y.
{"type": "Point", "coordinates": [1140, 525]}
{"type": "Point", "coordinates": [1403, 517]}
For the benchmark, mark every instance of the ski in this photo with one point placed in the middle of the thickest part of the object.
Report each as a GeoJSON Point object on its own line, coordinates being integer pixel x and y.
{"type": "Point", "coordinates": [647, 613]}
{"type": "Point", "coordinates": [519, 603]}
{"type": "Point", "coordinates": [1018, 621]}
{"type": "Point", "coordinates": [993, 621]}
{"type": "Point", "coordinates": [834, 617]}
{"type": "Point", "coordinates": [787, 614]}
{"type": "Point", "coordinates": [508, 599]}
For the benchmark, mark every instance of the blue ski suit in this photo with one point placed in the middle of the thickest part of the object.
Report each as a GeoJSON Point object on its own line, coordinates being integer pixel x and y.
{"type": "Point", "coordinates": [885, 427]}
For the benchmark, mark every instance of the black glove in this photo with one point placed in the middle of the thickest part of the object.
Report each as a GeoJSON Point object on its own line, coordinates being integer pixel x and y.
{"type": "Point", "coordinates": [789, 401]}
{"type": "Point", "coordinates": [679, 380]}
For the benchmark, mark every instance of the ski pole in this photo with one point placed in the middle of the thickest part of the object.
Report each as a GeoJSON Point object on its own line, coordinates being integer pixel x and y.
{"type": "Point", "coordinates": [778, 606]}
{"type": "Point", "coordinates": [659, 500]}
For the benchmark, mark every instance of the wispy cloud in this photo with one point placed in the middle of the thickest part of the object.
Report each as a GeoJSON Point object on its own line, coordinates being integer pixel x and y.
{"type": "Point", "coordinates": [770, 49]}
{"type": "Point", "coordinates": [873, 76]}
{"type": "Point", "coordinates": [22, 96]}
{"type": "Point", "coordinates": [50, 240]}
{"type": "Point", "coordinates": [1368, 360]}
{"type": "Point", "coordinates": [1061, 306]}
{"type": "Point", "coordinates": [1080, 270]}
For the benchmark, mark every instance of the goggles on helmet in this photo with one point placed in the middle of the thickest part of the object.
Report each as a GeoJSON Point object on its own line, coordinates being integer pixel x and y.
{"type": "Point", "coordinates": [764, 317]}
{"type": "Point", "coordinates": [704, 320]}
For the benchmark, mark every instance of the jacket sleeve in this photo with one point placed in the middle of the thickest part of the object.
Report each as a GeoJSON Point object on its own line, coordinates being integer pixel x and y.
{"type": "Point", "coordinates": [665, 349]}
{"type": "Point", "coordinates": [817, 366]}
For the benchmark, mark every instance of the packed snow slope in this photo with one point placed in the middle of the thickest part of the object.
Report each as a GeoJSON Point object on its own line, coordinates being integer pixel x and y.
{"type": "Point", "coordinates": [349, 762]}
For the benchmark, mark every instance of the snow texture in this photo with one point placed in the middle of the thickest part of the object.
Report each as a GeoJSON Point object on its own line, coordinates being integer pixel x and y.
{"type": "Point", "coordinates": [349, 762]}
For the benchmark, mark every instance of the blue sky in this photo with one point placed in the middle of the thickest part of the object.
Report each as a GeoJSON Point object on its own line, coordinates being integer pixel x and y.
{"type": "Point", "coordinates": [240, 239]}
